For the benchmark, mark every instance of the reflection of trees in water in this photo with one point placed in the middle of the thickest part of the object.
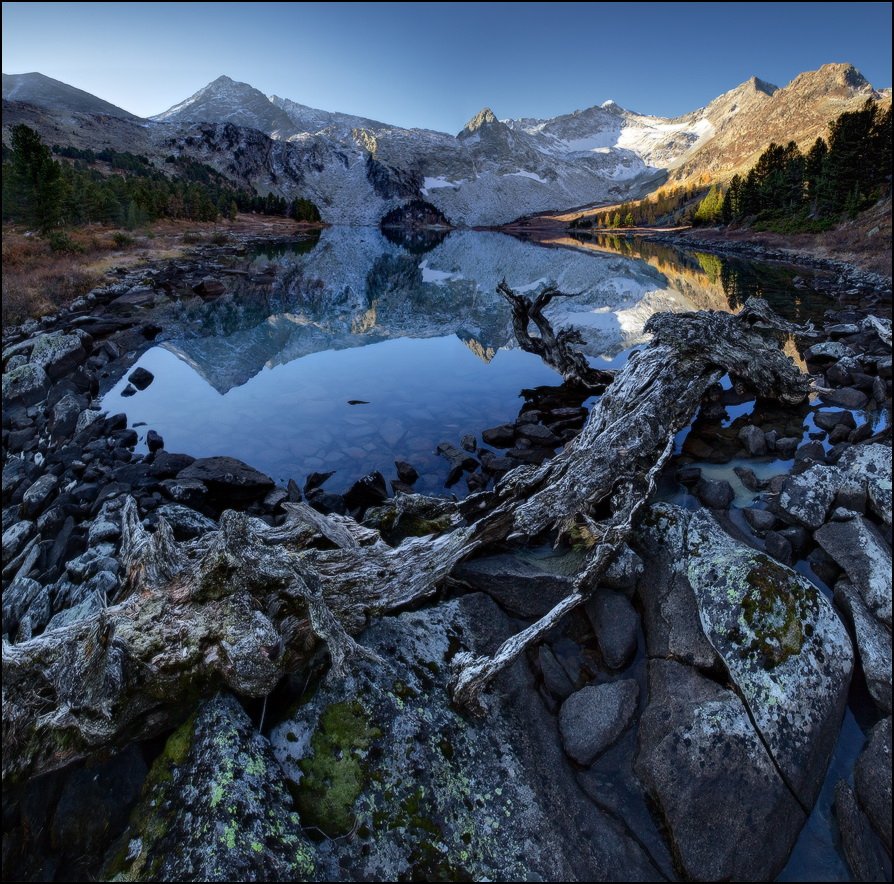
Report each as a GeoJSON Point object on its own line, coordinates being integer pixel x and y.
{"type": "Point", "coordinates": [739, 279]}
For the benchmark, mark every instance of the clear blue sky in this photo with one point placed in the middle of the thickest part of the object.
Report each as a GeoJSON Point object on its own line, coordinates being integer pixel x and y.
{"type": "Point", "coordinates": [435, 65]}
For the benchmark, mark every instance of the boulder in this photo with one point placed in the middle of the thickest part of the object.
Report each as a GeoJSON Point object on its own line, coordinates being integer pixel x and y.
{"type": "Point", "coordinates": [779, 638]}
{"type": "Point", "coordinates": [873, 643]}
{"type": "Point", "coordinates": [209, 287]}
{"type": "Point", "coordinates": [615, 624]}
{"type": "Point", "coordinates": [186, 523]}
{"type": "Point", "coordinates": [860, 551]}
{"type": "Point", "coordinates": [25, 385]}
{"type": "Point", "coordinates": [517, 584]}
{"type": "Point", "coordinates": [141, 378]}
{"type": "Point", "coordinates": [166, 464]}
{"type": "Point", "coordinates": [555, 678]}
{"type": "Point", "coordinates": [214, 808]}
{"type": "Point", "coordinates": [713, 494]}
{"type": "Point", "coordinates": [498, 437]}
{"type": "Point", "coordinates": [828, 350]}
{"type": "Point", "coordinates": [38, 495]}
{"type": "Point", "coordinates": [753, 440]}
{"type": "Point", "coordinates": [58, 353]}
{"type": "Point", "coordinates": [369, 491]}
{"type": "Point", "coordinates": [14, 539]}
{"type": "Point", "coordinates": [872, 780]}
{"type": "Point", "coordinates": [728, 813]}
{"type": "Point", "coordinates": [592, 718]}
{"type": "Point", "coordinates": [861, 847]}
{"type": "Point", "coordinates": [847, 397]}
{"type": "Point", "coordinates": [406, 472]}
{"type": "Point", "coordinates": [227, 479]}
{"type": "Point", "coordinates": [761, 521]}
{"type": "Point", "coordinates": [828, 420]}
{"type": "Point", "coordinates": [430, 794]}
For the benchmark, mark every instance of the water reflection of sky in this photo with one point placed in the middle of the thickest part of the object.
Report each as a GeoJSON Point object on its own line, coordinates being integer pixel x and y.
{"type": "Point", "coordinates": [264, 373]}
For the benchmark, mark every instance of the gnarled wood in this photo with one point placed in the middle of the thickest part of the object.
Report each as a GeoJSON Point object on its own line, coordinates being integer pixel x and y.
{"type": "Point", "coordinates": [242, 606]}
{"type": "Point", "coordinates": [555, 348]}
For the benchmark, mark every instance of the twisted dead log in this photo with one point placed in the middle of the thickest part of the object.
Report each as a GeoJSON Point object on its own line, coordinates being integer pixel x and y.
{"type": "Point", "coordinates": [244, 605]}
{"type": "Point", "coordinates": [555, 348]}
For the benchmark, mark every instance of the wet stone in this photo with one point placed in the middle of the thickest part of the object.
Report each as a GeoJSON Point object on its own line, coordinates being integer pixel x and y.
{"type": "Point", "coordinates": [592, 718]}
{"type": "Point", "coordinates": [752, 438]}
{"type": "Point", "coordinates": [714, 494]}
{"type": "Point", "coordinates": [141, 378]}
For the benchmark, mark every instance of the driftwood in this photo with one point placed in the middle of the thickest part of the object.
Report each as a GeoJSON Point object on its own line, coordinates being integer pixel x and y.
{"type": "Point", "coordinates": [555, 348]}
{"type": "Point", "coordinates": [244, 605]}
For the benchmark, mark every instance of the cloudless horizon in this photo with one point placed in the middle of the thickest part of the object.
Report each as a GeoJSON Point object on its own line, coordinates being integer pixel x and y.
{"type": "Point", "coordinates": [434, 65]}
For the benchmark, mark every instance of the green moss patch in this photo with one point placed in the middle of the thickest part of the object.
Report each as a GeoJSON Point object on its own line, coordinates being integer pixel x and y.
{"type": "Point", "coordinates": [335, 774]}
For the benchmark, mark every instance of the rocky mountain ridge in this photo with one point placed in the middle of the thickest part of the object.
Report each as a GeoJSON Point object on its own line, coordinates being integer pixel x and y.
{"type": "Point", "coordinates": [492, 172]}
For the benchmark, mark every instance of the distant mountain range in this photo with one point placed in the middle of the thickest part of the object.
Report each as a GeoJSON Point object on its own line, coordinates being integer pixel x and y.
{"type": "Point", "coordinates": [493, 171]}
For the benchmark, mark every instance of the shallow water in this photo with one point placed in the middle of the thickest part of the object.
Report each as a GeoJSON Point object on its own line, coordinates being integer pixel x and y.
{"type": "Point", "coordinates": [417, 333]}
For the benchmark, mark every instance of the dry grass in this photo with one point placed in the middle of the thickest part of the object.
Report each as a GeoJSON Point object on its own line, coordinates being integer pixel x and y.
{"type": "Point", "coordinates": [38, 279]}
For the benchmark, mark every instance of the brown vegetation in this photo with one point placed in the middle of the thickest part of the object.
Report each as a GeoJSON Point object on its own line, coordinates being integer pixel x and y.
{"type": "Point", "coordinates": [40, 275]}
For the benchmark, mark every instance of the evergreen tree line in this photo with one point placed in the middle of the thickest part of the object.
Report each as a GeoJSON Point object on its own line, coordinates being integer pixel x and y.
{"type": "Point", "coordinates": [648, 211]}
{"type": "Point", "coordinates": [790, 190]}
{"type": "Point", "coordinates": [43, 193]}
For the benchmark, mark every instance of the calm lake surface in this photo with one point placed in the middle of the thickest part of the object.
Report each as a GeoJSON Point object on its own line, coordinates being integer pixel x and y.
{"type": "Point", "coordinates": [415, 336]}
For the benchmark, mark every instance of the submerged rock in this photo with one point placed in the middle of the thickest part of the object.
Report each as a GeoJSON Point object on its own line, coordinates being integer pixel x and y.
{"type": "Point", "coordinates": [214, 808]}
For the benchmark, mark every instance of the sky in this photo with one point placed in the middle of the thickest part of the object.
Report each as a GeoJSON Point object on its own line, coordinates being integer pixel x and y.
{"type": "Point", "coordinates": [435, 65]}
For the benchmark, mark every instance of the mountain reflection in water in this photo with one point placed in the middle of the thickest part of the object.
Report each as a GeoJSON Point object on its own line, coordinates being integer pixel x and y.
{"type": "Point", "coordinates": [265, 372]}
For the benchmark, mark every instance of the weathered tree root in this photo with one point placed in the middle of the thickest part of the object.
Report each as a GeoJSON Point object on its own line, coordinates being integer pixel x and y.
{"type": "Point", "coordinates": [556, 349]}
{"type": "Point", "coordinates": [242, 606]}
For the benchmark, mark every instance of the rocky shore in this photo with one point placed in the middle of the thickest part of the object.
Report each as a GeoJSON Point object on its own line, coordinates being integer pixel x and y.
{"type": "Point", "coordinates": [679, 724]}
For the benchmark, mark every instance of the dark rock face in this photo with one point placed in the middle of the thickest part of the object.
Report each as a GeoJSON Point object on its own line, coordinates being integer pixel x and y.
{"type": "Point", "coordinates": [615, 624]}
{"type": "Point", "coordinates": [366, 492]}
{"type": "Point", "coordinates": [872, 780]}
{"type": "Point", "coordinates": [227, 479]}
{"type": "Point", "coordinates": [861, 847]}
{"type": "Point", "coordinates": [729, 814]}
{"type": "Point", "coordinates": [860, 550]}
{"type": "Point", "coordinates": [716, 495]}
{"type": "Point", "coordinates": [214, 809]}
{"type": "Point", "coordinates": [95, 804]}
{"type": "Point", "coordinates": [592, 718]}
{"type": "Point", "coordinates": [141, 378]}
{"type": "Point", "coordinates": [520, 586]}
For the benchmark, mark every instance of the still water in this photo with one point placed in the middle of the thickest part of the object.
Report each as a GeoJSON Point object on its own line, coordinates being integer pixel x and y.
{"type": "Point", "coordinates": [414, 336]}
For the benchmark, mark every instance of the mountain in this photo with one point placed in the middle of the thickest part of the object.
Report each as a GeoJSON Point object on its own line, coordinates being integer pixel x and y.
{"type": "Point", "coordinates": [227, 101]}
{"type": "Point", "coordinates": [55, 95]}
{"type": "Point", "coordinates": [748, 118]}
{"type": "Point", "coordinates": [359, 170]}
